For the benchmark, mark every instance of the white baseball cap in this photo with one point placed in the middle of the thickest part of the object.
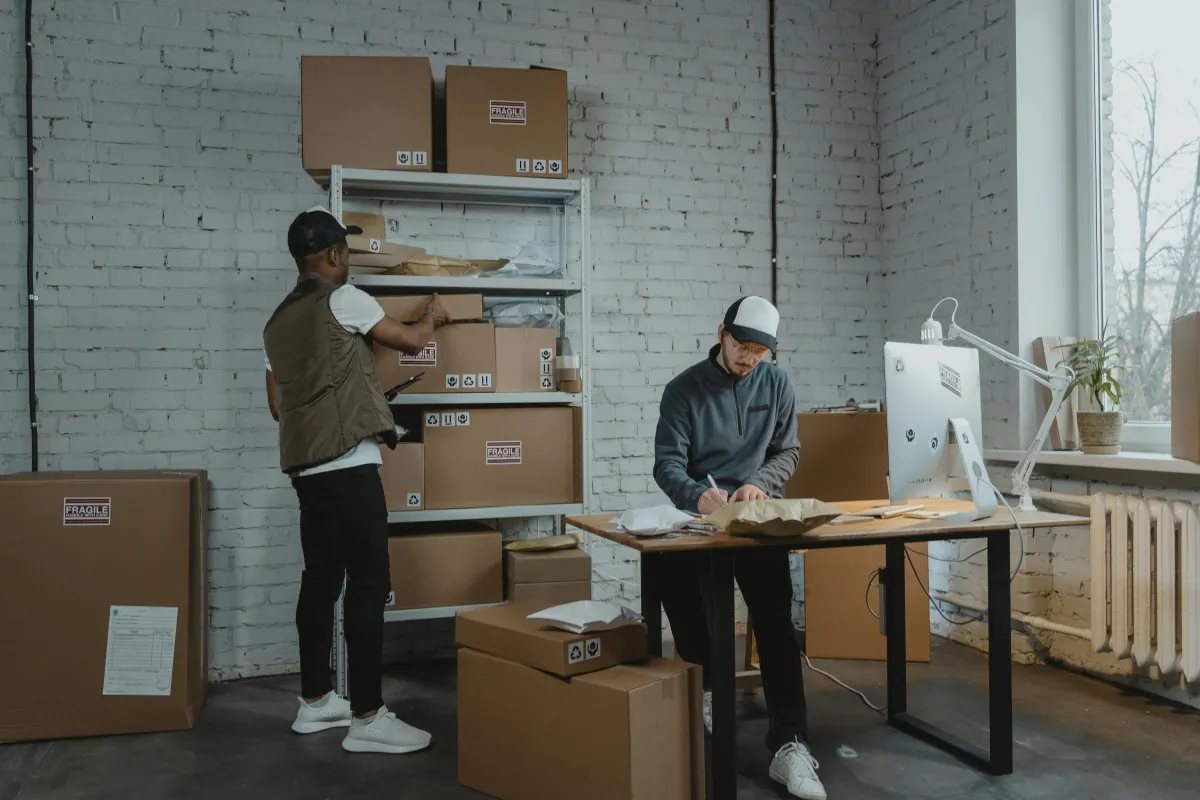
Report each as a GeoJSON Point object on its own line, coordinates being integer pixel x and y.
{"type": "Point", "coordinates": [753, 319]}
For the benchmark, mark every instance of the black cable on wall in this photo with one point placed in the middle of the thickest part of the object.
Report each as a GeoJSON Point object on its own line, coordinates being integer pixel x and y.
{"type": "Point", "coordinates": [774, 156]}
{"type": "Point", "coordinates": [31, 295]}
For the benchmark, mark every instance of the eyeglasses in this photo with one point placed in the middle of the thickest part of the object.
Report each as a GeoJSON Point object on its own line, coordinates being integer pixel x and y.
{"type": "Point", "coordinates": [753, 349]}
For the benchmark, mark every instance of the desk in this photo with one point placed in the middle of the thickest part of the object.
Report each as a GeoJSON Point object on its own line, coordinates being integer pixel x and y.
{"type": "Point", "coordinates": [721, 548]}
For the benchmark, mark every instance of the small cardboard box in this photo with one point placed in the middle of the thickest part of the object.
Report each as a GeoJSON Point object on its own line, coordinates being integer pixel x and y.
{"type": "Point", "coordinates": [372, 224]}
{"type": "Point", "coordinates": [435, 570]}
{"type": "Point", "coordinates": [503, 121]}
{"type": "Point", "coordinates": [504, 631]}
{"type": "Point", "coordinates": [461, 358]}
{"type": "Point", "coordinates": [481, 457]}
{"type": "Point", "coordinates": [1185, 388]}
{"type": "Point", "coordinates": [525, 359]}
{"type": "Point", "coordinates": [407, 308]}
{"type": "Point", "coordinates": [403, 476]}
{"type": "Point", "coordinates": [548, 595]}
{"type": "Point", "coordinates": [547, 566]}
{"type": "Point", "coordinates": [101, 571]}
{"type": "Point", "coordinates": [393, 95]}
{"type": "Point", "coordinates": [632, 732]}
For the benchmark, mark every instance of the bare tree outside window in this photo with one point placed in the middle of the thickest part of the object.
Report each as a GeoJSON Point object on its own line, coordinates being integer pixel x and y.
{"type": "Point", "coordinates": [1154, 270]}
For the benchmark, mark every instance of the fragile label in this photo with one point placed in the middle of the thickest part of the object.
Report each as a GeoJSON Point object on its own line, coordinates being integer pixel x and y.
{"type": "Point", "coordinates": [575, 653]}
{"type": "Point", "coordinates": [448, 419]}
{"type": "Point", "coordinates": [502, 453]}
{"type": "Point", "coordinates": [426, 358]}
{"type": "Point", "coordinates": [468, 381]}
{"type": "Point", "coordinates": [546, 354]}
{"type": "Point", "coordinates": [403, 158]}
{"type": "Point", "coordinates": [485, 380]}
{"type": "Point", "coordinates": [506, 112]}
{"type": "Point", "coordinates": [462, 419]}
{"type": "Point", "coordinates": [140, 656]}
{"type": "Point", "coordinates": [452, 381]}
{"type": "Point", "coordinates": [433, 420]}
{"type": "Point", "coordinates": [413, 500]}
{"type": "Point", "coordinates": [950, 379]}
{"type": "Point", "coordinates": [420, 158]}
{"type": "Point", "coordinates": [592, 648]}
{"type": "Point", "coordinates": [87, 511]}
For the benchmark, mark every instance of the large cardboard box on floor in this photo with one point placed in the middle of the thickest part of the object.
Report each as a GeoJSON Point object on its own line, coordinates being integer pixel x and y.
{"type": "Point", "coordinates": [525, 359]}
{"type": "Point", "coordinates": [505, 631]}
{"type": "Point", "coordinates": [1185, 388]}
{"type": "Point", "coordinates": [461, 359]}
{"type": "Point", "coordinates": [403, 476]}
{"type": "Point", "coordinates": [630, 732]}
{"type": "Point", "coordinates": [435, 570]}
{"type": "Point", "coordinates": [845, 457]}
{"type": "Point", "coordinates": [482, 457]}
{"type": "Point", "coordinates": [504, 121]}
{"type": "Point", "coordinates": [103, 602]}
{"type": "Point", "coordinates": [366, 112]}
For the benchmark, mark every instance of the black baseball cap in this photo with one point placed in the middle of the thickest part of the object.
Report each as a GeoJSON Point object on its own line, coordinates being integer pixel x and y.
{"type": "Point", "coordinates": [315, 230]}
{"type": "Point", "coordinates": [753, 319]}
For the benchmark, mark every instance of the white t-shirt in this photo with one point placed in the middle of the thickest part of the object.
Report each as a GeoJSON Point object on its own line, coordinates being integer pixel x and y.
{"type": "Point", "coordinates": [357, 312]}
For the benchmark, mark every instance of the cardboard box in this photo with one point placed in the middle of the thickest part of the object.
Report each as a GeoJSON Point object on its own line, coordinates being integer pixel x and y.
{"type": "Point", "coordinates": [461, 358]}
{"type": "Point", "coordinates": [547, 566]}
{"type": "Point", "coordinates": [1185, 388]}
{"type": "Point", "coordinates": [373, 225]}
{"type": "Point", "coordinates": [366, 112]}
{"type": "Point", "coordinates": [504, 631]}
{"type": "Point", "coordinates": [624, 733]}
{"type": "Point", "coordinates": [481, 457]}
{"type": "Point", "coordinates": [547, 595]}
{"type": "Point", "coordinates": [100, 563]}
{"type": "Point", "coordinates": [403, 476]}
{"type": "Point", "coordinates": [435, 570]}
{"type": "Point", "coordinates": [407, 308]}
{"type": "Point", "coordinates": [503, 121]}
{"type": "Point", "coordinates": [845, 457]}
{"type": "Point", "coordinates": [525, 359]}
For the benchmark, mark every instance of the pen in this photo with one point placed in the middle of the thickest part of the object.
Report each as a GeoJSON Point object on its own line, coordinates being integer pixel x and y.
{"type": "Point", "coordinates": [713, 483]}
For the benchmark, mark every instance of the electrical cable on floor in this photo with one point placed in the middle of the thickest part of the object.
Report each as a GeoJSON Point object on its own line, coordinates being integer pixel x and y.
{"type": "Point", "coordinates": [847, 687]}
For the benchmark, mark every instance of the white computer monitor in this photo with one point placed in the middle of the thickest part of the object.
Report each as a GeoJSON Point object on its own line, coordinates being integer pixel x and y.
{"type": "Point", "coordinates": [934, 423]}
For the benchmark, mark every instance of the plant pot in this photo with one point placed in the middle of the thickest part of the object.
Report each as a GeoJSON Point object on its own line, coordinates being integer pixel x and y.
{"type": "Point", "coordinates": [1100, 432]}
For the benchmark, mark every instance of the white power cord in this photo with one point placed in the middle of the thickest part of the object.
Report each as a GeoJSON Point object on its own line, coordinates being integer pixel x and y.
{"type": "Point", "coordinates": [835, 679]}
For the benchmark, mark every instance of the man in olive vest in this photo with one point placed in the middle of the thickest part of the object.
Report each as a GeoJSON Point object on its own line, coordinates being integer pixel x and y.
{"type": "Point", "coordinates": [332, 414]}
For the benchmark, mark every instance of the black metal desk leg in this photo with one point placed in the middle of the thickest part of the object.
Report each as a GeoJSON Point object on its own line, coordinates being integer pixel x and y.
{"type": "Point", "coordinates": [718, 592]}
{"type": "Point", "coordinates": [897, 651]}
{"type": "Point", "coordinates": [1000, 753]}
{"type": "Point", "coordinates": [652, 602]}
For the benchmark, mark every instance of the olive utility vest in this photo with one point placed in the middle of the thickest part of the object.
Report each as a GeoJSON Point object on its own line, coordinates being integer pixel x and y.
{"type": "Point", "coordinates": [329, 397]}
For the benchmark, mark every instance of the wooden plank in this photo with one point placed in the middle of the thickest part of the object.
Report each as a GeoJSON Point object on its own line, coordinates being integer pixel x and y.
{"type": "Point", "coordinates": [1064, 433]}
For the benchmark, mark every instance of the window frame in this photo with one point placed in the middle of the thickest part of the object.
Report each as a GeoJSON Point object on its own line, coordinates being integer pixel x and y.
{"type": "Point", "coordinates": [1142, 436]}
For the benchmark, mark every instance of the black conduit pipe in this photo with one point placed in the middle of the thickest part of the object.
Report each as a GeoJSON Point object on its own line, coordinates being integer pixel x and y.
{"type": "Point", "coordinates": [31, 294]}
{"type": "Point", "coordinates": [774, 157]}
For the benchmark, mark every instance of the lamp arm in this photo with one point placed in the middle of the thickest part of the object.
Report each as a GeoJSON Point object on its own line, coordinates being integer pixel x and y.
{"type": "Point", "coordinates": [1044, 377]}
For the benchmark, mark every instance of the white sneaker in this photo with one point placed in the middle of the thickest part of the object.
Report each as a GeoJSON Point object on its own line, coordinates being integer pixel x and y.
{"type": "Point", "coordinates": [333, 713]}
{"type": "Point", "coordinates": [795, 768]}
{"type": "Point", "coordinates": [706, 702]}
{"type": "Point", "coordinates": [384, 733]}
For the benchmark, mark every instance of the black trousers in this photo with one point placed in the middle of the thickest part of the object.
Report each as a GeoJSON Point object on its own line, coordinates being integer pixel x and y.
{"type": "Point", "coordinates": [765, 578]}
{"type": "Point", "coordinates": [344, 533]}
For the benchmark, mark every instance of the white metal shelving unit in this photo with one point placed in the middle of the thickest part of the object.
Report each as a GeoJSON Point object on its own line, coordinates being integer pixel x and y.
{"type": "Point", "coordinates": [562, 195]}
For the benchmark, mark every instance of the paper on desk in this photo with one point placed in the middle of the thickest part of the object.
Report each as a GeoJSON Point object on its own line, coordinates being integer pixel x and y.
{"type": "Point", "coordinates": [586, 616]}
{"type": "Point", "coordinates": [652, 521]}
{"type": "Point", "coordinates": [567, 541]}
{"type": "Point", "coordinates": [773, 517]}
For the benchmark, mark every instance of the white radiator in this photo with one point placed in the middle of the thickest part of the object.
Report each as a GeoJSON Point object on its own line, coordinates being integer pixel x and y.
{"type": "Point", "coordinates": [1146, 581]}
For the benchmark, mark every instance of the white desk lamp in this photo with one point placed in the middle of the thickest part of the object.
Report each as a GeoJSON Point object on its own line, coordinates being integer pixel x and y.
{"type": "Point", "coordinates": [1058, 382]}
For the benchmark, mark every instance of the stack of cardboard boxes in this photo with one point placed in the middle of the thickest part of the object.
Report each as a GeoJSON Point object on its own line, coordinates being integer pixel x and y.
{"type": "Point", "coordinates": [549, 578]}
{"type": "Point", "coordinates": [543, 713]}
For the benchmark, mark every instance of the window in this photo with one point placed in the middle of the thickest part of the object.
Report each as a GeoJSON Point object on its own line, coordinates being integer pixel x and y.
{"type": "Point", "coordinates": [1141, 170]}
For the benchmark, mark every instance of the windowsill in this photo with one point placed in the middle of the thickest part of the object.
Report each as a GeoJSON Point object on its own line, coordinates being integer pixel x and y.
{"type": "Point", "coordinates": [1128, 461]}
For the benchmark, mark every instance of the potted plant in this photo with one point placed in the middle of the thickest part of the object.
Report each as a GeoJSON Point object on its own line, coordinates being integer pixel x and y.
{"type": "Point", "coordinates": [1094, 362]}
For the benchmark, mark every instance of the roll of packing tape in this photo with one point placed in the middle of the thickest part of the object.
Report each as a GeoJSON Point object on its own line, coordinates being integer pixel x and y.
{"type": "Point", "coordinates": [567, 375]}
{"type": "Point", "coordinates": [571, 387]}
{"type": "Point", "coordinates": [568, 362]}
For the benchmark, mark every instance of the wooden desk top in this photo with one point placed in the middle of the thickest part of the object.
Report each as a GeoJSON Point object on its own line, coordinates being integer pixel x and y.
{"type": "Point", "coordinates": [877, 531]}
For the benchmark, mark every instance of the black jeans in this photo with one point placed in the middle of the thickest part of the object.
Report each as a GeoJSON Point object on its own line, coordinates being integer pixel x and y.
{"type": "Point", "coordinates": [765, 578]}
{"type": "Point", "coordinates": [344, 533]}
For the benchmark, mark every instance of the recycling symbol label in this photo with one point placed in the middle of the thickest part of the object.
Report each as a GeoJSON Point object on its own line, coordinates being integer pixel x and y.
{"type": "Point", "coordinates": [414, 500]}
{"type": "Point", "coordinates": [575, 653]}
{"type": "Point", "coordinates": [433, 420]}
{"type": "Point", "coordinates": [592, 647]}
{"type": "Point", "coordinates": [547, 382]}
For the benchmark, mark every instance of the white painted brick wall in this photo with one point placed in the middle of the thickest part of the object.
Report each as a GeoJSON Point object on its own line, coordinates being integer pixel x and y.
{"type": "Point", "coordinates": [168, 157]}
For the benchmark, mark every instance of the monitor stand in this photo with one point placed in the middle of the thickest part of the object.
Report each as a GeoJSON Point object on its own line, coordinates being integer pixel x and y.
{"type": "Point", "coordinates": [982, 494]}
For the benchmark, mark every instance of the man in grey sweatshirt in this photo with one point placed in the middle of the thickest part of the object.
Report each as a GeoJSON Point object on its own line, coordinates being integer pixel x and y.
{"type": "Point", "coordinates": [733, 417]}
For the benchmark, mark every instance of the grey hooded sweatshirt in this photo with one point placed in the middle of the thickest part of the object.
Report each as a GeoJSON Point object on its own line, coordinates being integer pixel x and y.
{"type": "Point", "coordinates": [737, 430]}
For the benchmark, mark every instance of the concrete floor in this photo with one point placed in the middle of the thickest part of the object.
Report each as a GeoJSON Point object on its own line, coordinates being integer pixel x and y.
{"type": "Point", "coordinates": [1076, 738]}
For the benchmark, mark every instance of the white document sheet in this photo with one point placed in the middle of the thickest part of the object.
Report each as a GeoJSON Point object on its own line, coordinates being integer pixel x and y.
{"type": "Point", "coordinates": [141, 650]}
